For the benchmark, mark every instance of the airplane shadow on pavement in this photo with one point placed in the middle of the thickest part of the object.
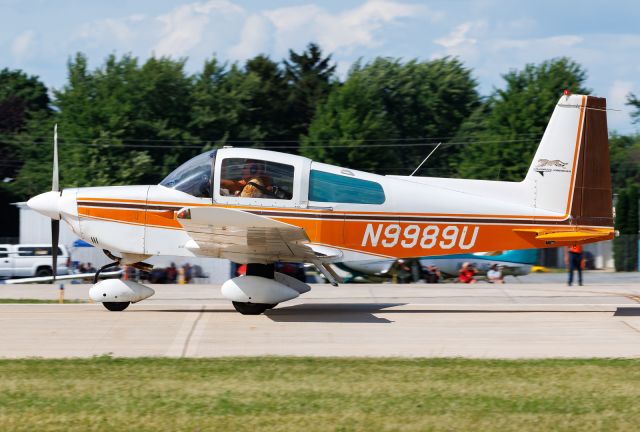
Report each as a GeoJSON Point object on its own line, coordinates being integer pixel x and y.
{"type": "Point", "coordinates": [364, 312]}
{"type": "Point", "coordinates": [331, 312]}
{"type": "Point", "coordinates": [627, 311]}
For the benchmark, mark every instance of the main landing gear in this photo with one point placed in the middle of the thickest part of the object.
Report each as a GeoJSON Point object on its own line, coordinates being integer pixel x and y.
{"type": "Point", "coordinates": [116, 306]}
{"type": "Point", "coordinates": [261, 289]}
{"type": "Point", "coordinates": [248, 308]}
{"type": "Point", "coordinates": [252, 308]}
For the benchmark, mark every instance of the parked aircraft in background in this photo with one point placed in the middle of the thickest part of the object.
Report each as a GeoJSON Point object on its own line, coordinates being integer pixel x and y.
{"type": "Point", "coordinates": [259, 207]}
{"type": "Point", "coordinates": [512, 263]}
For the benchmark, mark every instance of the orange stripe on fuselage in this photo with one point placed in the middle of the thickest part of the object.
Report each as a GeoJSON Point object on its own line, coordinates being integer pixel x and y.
{"type": "Point", "coordinates": [350, 234]}
{"type": "Point", "coordinates": [165, 219]}
{"type": "Point", "coordinates": [451, 238]}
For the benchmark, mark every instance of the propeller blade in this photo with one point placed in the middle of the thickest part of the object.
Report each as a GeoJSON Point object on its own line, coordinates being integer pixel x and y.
{"type": "Point", "coordinates": [54, 180]}
{"type": "Point", "coordinates": [55, 234]}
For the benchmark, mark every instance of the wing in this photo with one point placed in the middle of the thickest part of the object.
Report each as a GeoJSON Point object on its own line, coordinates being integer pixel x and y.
{"type": "Point", "coordinates": [241, 236]}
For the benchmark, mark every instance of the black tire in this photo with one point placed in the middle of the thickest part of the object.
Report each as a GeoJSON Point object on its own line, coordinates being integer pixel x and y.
{"type": "Point", "coordinates": [116, 306]}
{"type": "Point", "coordinates": [44, 271]}
{"type": "Point", "coordinates": [252, 308]}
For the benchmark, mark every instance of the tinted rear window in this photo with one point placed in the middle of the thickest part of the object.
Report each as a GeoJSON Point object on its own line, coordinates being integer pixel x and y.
{"type": "Point", "coordinates": [3, 253]}
{"type": "Point", "coordinates": [328, 187]}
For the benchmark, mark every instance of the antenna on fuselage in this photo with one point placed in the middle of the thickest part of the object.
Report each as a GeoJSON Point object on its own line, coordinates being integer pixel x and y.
{"type": "Point", "coordinates": [425, 159]}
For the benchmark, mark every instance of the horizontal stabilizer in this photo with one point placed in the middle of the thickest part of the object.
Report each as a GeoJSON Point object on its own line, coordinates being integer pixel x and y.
{"type": "Point", "coordinates": [568, 236]}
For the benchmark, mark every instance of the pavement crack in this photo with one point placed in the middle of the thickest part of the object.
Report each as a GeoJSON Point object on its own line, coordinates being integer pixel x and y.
{"type": "Point", "coordinates": [193, 327]}
{"type": "Point", "coordinates": [631, 327]}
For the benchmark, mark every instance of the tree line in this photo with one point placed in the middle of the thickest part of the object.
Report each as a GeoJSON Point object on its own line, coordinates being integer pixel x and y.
{"type": "Point", "coordinates": [130, 121]}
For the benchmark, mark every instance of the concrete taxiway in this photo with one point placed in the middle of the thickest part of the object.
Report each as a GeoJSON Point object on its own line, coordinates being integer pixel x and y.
{"type": "Point", "coordinates": [517, 320]}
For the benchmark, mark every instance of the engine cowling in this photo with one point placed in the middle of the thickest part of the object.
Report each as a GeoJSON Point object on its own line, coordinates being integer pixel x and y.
{"type": "Point", "coordinates": [119, 291]}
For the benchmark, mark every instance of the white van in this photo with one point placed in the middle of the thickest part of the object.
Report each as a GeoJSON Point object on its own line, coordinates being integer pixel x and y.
{"type": "Point", "coordinates": [30, 260]}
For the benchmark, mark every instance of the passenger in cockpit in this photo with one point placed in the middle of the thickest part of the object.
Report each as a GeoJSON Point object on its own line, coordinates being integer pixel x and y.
{"type": "Point", "coordinates": [256, 179]}
{"type": "Point", "coordinates": [255, 183]}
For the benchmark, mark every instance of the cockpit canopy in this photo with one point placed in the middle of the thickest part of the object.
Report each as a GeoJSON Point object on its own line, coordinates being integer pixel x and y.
{"type": "Point", "coordinates": [194, 176]}
{"type": "Point", "coordinates": [256, 177]}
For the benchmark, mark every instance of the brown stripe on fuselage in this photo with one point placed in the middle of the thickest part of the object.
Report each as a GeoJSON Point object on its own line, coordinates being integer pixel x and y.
{"type": "Point", "coordinates": [344, 216]}
{"type": "Point", "coordinates": [127, 205]}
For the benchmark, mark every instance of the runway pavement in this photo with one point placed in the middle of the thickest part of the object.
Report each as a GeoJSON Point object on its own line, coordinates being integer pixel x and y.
{"type": "Point", "coordinates": [516, 320]}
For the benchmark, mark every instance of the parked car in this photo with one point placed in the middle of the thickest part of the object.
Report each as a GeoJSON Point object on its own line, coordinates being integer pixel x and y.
{"type": "Point", "coordinates": [30, 260]}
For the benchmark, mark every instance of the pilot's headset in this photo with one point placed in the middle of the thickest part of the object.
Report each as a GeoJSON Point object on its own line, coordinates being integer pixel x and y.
{"type": "Point", "coordinates": [254, 169]}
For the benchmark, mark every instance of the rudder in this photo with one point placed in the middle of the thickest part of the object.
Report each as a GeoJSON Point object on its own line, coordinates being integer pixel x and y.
{"type": "Point", "coordinates": [570, 172]}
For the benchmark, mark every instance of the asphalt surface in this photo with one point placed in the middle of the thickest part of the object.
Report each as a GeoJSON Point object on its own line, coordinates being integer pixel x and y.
{"type": "Point", "coordinates": [536, 317]}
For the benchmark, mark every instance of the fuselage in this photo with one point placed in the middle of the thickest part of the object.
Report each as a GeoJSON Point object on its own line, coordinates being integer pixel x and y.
{"type": "Point", "coordinates": [365, 216]}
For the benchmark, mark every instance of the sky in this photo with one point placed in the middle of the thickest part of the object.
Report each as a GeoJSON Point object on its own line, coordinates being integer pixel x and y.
{"type": "Point", "coordinates": [489, 36]}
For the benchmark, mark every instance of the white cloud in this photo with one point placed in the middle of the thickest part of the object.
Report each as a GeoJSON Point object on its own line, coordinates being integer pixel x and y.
{"type": "Point", "coordinates": [256, 38]}
{"type": "Point", "coordinates": [23, 45]}
{"type": "Point", "coordinates": [617, 100]}
{"type": "Point", "coordinates": [617, 95]}
{"type": "Point", "coordinates": [199, 29]}
{"type": "Point", "coordinates": [120, 30]}
{"type": "Point", "coordinates": [342, 32]}
{"type": "Point", "coordinates": [490, 48]}
{"type": "Point", "coordinates": [458, 37]}
{"type": "Point", "coordinates": [185, 26]}
{"type": "Point", "coordinates": [194, 29]}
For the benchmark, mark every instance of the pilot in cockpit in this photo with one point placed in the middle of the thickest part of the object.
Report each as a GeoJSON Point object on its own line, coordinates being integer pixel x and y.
{"type": "Point", "coordinates": [255, 183]}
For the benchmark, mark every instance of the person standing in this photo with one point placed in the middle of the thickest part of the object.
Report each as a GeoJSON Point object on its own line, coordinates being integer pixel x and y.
{"type": "Point", "coordinates": [573, 261]}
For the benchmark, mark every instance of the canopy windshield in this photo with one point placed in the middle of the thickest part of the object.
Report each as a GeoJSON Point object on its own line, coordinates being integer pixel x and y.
{"type": "Point", "coordinates": [194, 176]}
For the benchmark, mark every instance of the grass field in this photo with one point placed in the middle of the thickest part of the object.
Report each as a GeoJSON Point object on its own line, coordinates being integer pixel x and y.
{"type": "Point", "coordinates": [304, 394]}
{"type": "Point", "coordinates": [36, 301]}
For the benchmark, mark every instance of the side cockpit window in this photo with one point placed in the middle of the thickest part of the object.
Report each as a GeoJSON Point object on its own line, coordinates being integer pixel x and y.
{"type": "Point", "coordinates": [328, 187]}
{"type": "Point", "coordinates": [194, 176]}
{"type": "Point", "coordinates": [253, 178]}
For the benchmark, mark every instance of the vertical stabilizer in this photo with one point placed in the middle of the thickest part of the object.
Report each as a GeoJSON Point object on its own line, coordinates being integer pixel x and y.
{"type": "Point", "coordinates": [570, 172]}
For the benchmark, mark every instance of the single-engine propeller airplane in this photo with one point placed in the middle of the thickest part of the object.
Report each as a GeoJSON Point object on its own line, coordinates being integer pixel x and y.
{"type": "Point", "coordinates": [259, 207]}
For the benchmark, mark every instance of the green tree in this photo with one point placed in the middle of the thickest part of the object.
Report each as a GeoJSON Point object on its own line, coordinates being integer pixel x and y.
{"type": "Point", "coordinates": [344, 125]}
{"type": "Point", "coordinates": [310, 77]}
{"type": "Point", "coordinates": [505, 131]}
{"type": "Point", "coordinates": [21, 96]}
{"type": "Point", "coordinates": [123, 123]}
{"type": "Point", "coordinates": [392, 109]}
{"type": "Point", "coordinates": [634, 102]}
{"type": "Point", "coordinates": [625, 246]}
{"type": "Point", "coordinates": [624, 152]}
{"type": "Point", "coordinates": [23, 100]}
{"type": "Point", "coordinates": [266, 116]}
{"type": "Point", "coordinates": [221, 96]}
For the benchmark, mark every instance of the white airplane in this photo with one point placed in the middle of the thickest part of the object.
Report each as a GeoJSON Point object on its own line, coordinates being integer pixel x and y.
{"type": "Point", "coordinates": [258, 207]}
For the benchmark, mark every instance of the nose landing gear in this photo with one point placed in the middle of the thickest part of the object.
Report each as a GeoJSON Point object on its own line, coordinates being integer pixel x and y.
{"type": "Point", "coordinates": [115, 294]}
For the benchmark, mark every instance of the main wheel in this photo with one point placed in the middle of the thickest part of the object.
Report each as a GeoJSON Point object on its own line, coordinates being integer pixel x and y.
{"type": "Point", "coordinates": [252, 308]}
{"type": "Point", "coordinates": [116, 306]}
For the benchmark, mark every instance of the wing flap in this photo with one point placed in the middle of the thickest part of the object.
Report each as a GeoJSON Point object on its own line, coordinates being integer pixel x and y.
{"type": "Point", "coordinates": [243, 236]}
